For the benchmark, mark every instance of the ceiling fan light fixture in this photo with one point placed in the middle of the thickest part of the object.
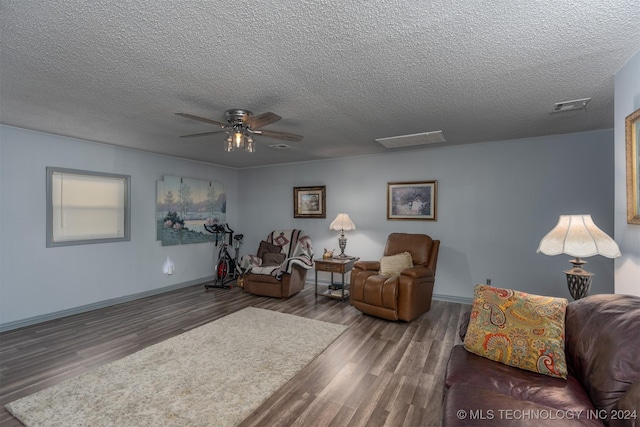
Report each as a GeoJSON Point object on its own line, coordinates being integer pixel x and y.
{"type": "Point", "coordinates": [250, 146]}
{"type": "Point", "coordinates": [241, 128]}
{"type": "Point", "coordinates": [238, 139]}
{"type": "Point", "coordinates": [228, 144]}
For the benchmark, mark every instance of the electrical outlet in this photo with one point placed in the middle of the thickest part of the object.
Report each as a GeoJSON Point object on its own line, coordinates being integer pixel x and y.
{"type": "Point", "coordinates": [489, 282]}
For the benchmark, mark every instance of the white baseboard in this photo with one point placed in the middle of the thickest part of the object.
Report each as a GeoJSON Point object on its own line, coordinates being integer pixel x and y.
{"type": "Point", "coordinates": [449, 298]}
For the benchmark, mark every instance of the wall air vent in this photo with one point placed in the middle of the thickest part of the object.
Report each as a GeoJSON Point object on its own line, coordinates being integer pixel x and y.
{"type": "Point", "coordinates": [577, 104]}
{"type": "Point", "coordinates": [413, 139]}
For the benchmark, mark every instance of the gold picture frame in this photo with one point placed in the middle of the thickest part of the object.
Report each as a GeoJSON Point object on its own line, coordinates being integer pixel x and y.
{"type": "Point", "coordinates": [632, 137]}
{"type": "Point", "coordinates": [309, 202]}
{"type": "Point", "coordinates": [416, 200]}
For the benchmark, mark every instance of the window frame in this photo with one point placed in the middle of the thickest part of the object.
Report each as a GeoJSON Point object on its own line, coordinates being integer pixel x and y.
{"type": "Point", "coordinates": [50, 240]}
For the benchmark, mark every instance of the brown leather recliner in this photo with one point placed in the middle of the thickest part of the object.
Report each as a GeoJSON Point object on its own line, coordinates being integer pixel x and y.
{"type": "Point", "coordinates": [398, 297]}
{"type": "Point", "coordinates": [269, 286]}
{"type": "Point", "coordinates": [280, 267]}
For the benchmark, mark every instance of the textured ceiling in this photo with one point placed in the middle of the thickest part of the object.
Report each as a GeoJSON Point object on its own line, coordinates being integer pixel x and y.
{"type": "Point", "coordinates": [341, 73]}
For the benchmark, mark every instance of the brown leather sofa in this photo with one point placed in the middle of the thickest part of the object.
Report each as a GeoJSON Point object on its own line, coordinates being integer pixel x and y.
{"type": "Point", "coordinates": [399, 297]}
{"type": "Point", "coordinates": [602, 347]}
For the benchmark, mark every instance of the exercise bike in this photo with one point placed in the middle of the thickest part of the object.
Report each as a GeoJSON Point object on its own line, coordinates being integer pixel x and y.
{"type": "Point", "coordinates": [226, 268]}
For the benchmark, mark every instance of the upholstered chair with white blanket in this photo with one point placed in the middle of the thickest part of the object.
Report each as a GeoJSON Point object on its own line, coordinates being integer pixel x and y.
{"type": "Point", "coordinates": [280, 266]}
{"type": "Point", "coordinates": [400, 285]}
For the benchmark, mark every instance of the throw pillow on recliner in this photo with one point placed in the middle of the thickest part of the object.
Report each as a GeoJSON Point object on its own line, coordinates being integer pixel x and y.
{"type": "Point", "coordinates": [271, 259]}
{"type": "Point", "coordinates": [266, 247]}
{"type": "Point", "coordinates": [522, 330]}
{"type": "Point", "coordinates": [392, 265]}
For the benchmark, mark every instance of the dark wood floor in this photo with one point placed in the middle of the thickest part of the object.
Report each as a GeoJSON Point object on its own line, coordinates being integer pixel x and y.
{"type": "Point", "coordinates": [377, 373]}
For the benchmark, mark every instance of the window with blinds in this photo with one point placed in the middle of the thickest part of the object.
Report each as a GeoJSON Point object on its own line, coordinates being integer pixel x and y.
{"type": "Point", "coordinates": [87, 207]}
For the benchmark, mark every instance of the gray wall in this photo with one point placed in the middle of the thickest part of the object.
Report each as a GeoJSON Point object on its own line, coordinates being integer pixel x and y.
{"type": "Point", "coordinates": [35, 280]}
{"type": "Point", "coordinates": [627, 267]}
{"type": "Point", "coordinates": [495, 202]}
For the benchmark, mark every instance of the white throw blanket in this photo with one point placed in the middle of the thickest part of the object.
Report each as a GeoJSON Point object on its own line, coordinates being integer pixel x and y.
{"type": "Point", "coordinates": [294, 244]}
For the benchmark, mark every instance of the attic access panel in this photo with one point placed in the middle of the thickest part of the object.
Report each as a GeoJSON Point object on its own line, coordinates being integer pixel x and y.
{"type": "Point", "coordinates": [413, 140]}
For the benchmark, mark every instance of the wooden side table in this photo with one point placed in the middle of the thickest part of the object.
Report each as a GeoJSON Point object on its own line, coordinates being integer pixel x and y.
{"type": "Point", "coordinates": [334, 265]}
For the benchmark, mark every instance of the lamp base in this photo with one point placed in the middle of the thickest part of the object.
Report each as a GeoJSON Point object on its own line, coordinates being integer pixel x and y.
{"type": "Point", "coordinates": [342, 243]}
{"type": "Point", "coordinates": [578, 280]}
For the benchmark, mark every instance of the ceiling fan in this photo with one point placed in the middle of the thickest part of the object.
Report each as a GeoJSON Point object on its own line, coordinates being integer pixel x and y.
{"type": "Point", "coordinates": [241, 126]}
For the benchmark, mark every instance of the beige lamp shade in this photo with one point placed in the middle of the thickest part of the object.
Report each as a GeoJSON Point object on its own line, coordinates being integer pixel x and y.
{"type": "Point", "coordinates": [342, 222]}
{"type": "Point", "coordinates": [578, 236]}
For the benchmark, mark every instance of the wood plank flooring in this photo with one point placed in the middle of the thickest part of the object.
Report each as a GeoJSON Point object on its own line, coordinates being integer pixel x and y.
{"type": "Point", "coordinates": [377, 373]}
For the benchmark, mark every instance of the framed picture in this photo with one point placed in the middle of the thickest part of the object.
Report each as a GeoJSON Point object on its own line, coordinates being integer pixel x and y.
{"type": "Point", "coordinates": [412, 200]}
{"type": "Point", "coordinates": [309, 202]}
{"type": "Point", "coordinates": [632, 136]}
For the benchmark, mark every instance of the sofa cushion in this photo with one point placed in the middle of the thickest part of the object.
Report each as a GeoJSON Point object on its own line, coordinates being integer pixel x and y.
{"type": "Point", "coordinates": [266, 247]}
{"type": "Point", "coordinates": [466, 406]}
{"type": "Point", "coordinates": [470, 370]}
{"type": "Point", "coordinates": [603, 343]}
{"type": "Point", "coordinates": [392, 265]}
{"type": "Point", "coordinates": [518, 329]}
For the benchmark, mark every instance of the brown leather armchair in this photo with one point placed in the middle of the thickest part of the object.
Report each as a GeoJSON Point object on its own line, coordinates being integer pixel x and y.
{"type": "Point", "coordinates": [397, 297]}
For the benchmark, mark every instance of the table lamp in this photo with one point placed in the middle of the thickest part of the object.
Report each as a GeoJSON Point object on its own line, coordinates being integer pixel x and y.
{"type": "Point", "coordinates": [342, 223]}
{"type": "Point", "coordinates": [578, 236]}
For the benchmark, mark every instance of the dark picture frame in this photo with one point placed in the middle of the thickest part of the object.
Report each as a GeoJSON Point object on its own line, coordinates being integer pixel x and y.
{"type": "Point", "coordinates": [632, 152]}
{"type": "Point", "coordinates": [415, 200]}
{"type": "Point", "coordinates": [309, 202]}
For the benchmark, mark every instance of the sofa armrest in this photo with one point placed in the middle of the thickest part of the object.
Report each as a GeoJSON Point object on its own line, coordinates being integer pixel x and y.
{"type": "Point", "coordinates": [627, 411]}
{"type": "Point", "coordinates": [466, 318]}
{"type": "Point", "coordinates": [418, 271]}
{"type": "Point", "coordinates": [308, 262]}
{"type": "Point", "coordinates": [248, 261]}
{"type": "Point", "coordinates": [367, 265]}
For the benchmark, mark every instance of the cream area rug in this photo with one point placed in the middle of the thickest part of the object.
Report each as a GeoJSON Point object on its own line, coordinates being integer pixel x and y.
{"type": "Point", "coordinates": [214, 375]}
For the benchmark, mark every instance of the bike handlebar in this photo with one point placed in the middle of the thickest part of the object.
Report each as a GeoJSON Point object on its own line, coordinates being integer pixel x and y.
{"type": "Point", "coordinates": [215, 228]}
{"type": "Point", "coordinates": [218, 229]}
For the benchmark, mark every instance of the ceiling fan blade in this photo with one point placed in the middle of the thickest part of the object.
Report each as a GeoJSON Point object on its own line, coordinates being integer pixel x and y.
{"type": "Point", "coordinates": [194, 135]}
{"type": "Point", "coordinates": [281, 135]}
{"type": "Point", "coordinates": [262, 120]}
{"type": "Point", "coordinates": [202, 119]}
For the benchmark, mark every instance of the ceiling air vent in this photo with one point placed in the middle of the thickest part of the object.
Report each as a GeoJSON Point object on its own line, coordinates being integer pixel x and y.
{"type": "Point", "coordinates": [412, 140]}
{"type": "Point", "coordinates": [279, 146]}
{"type": "Point", "coordinates": [577, 104]}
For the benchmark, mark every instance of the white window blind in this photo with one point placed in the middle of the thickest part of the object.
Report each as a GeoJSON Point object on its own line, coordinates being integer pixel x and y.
{"type": "Point", "coordinates": [87, 207]}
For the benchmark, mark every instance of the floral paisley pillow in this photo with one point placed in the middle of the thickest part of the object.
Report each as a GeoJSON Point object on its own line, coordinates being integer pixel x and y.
{"type": "Point", "coordinates": [518, 329]}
